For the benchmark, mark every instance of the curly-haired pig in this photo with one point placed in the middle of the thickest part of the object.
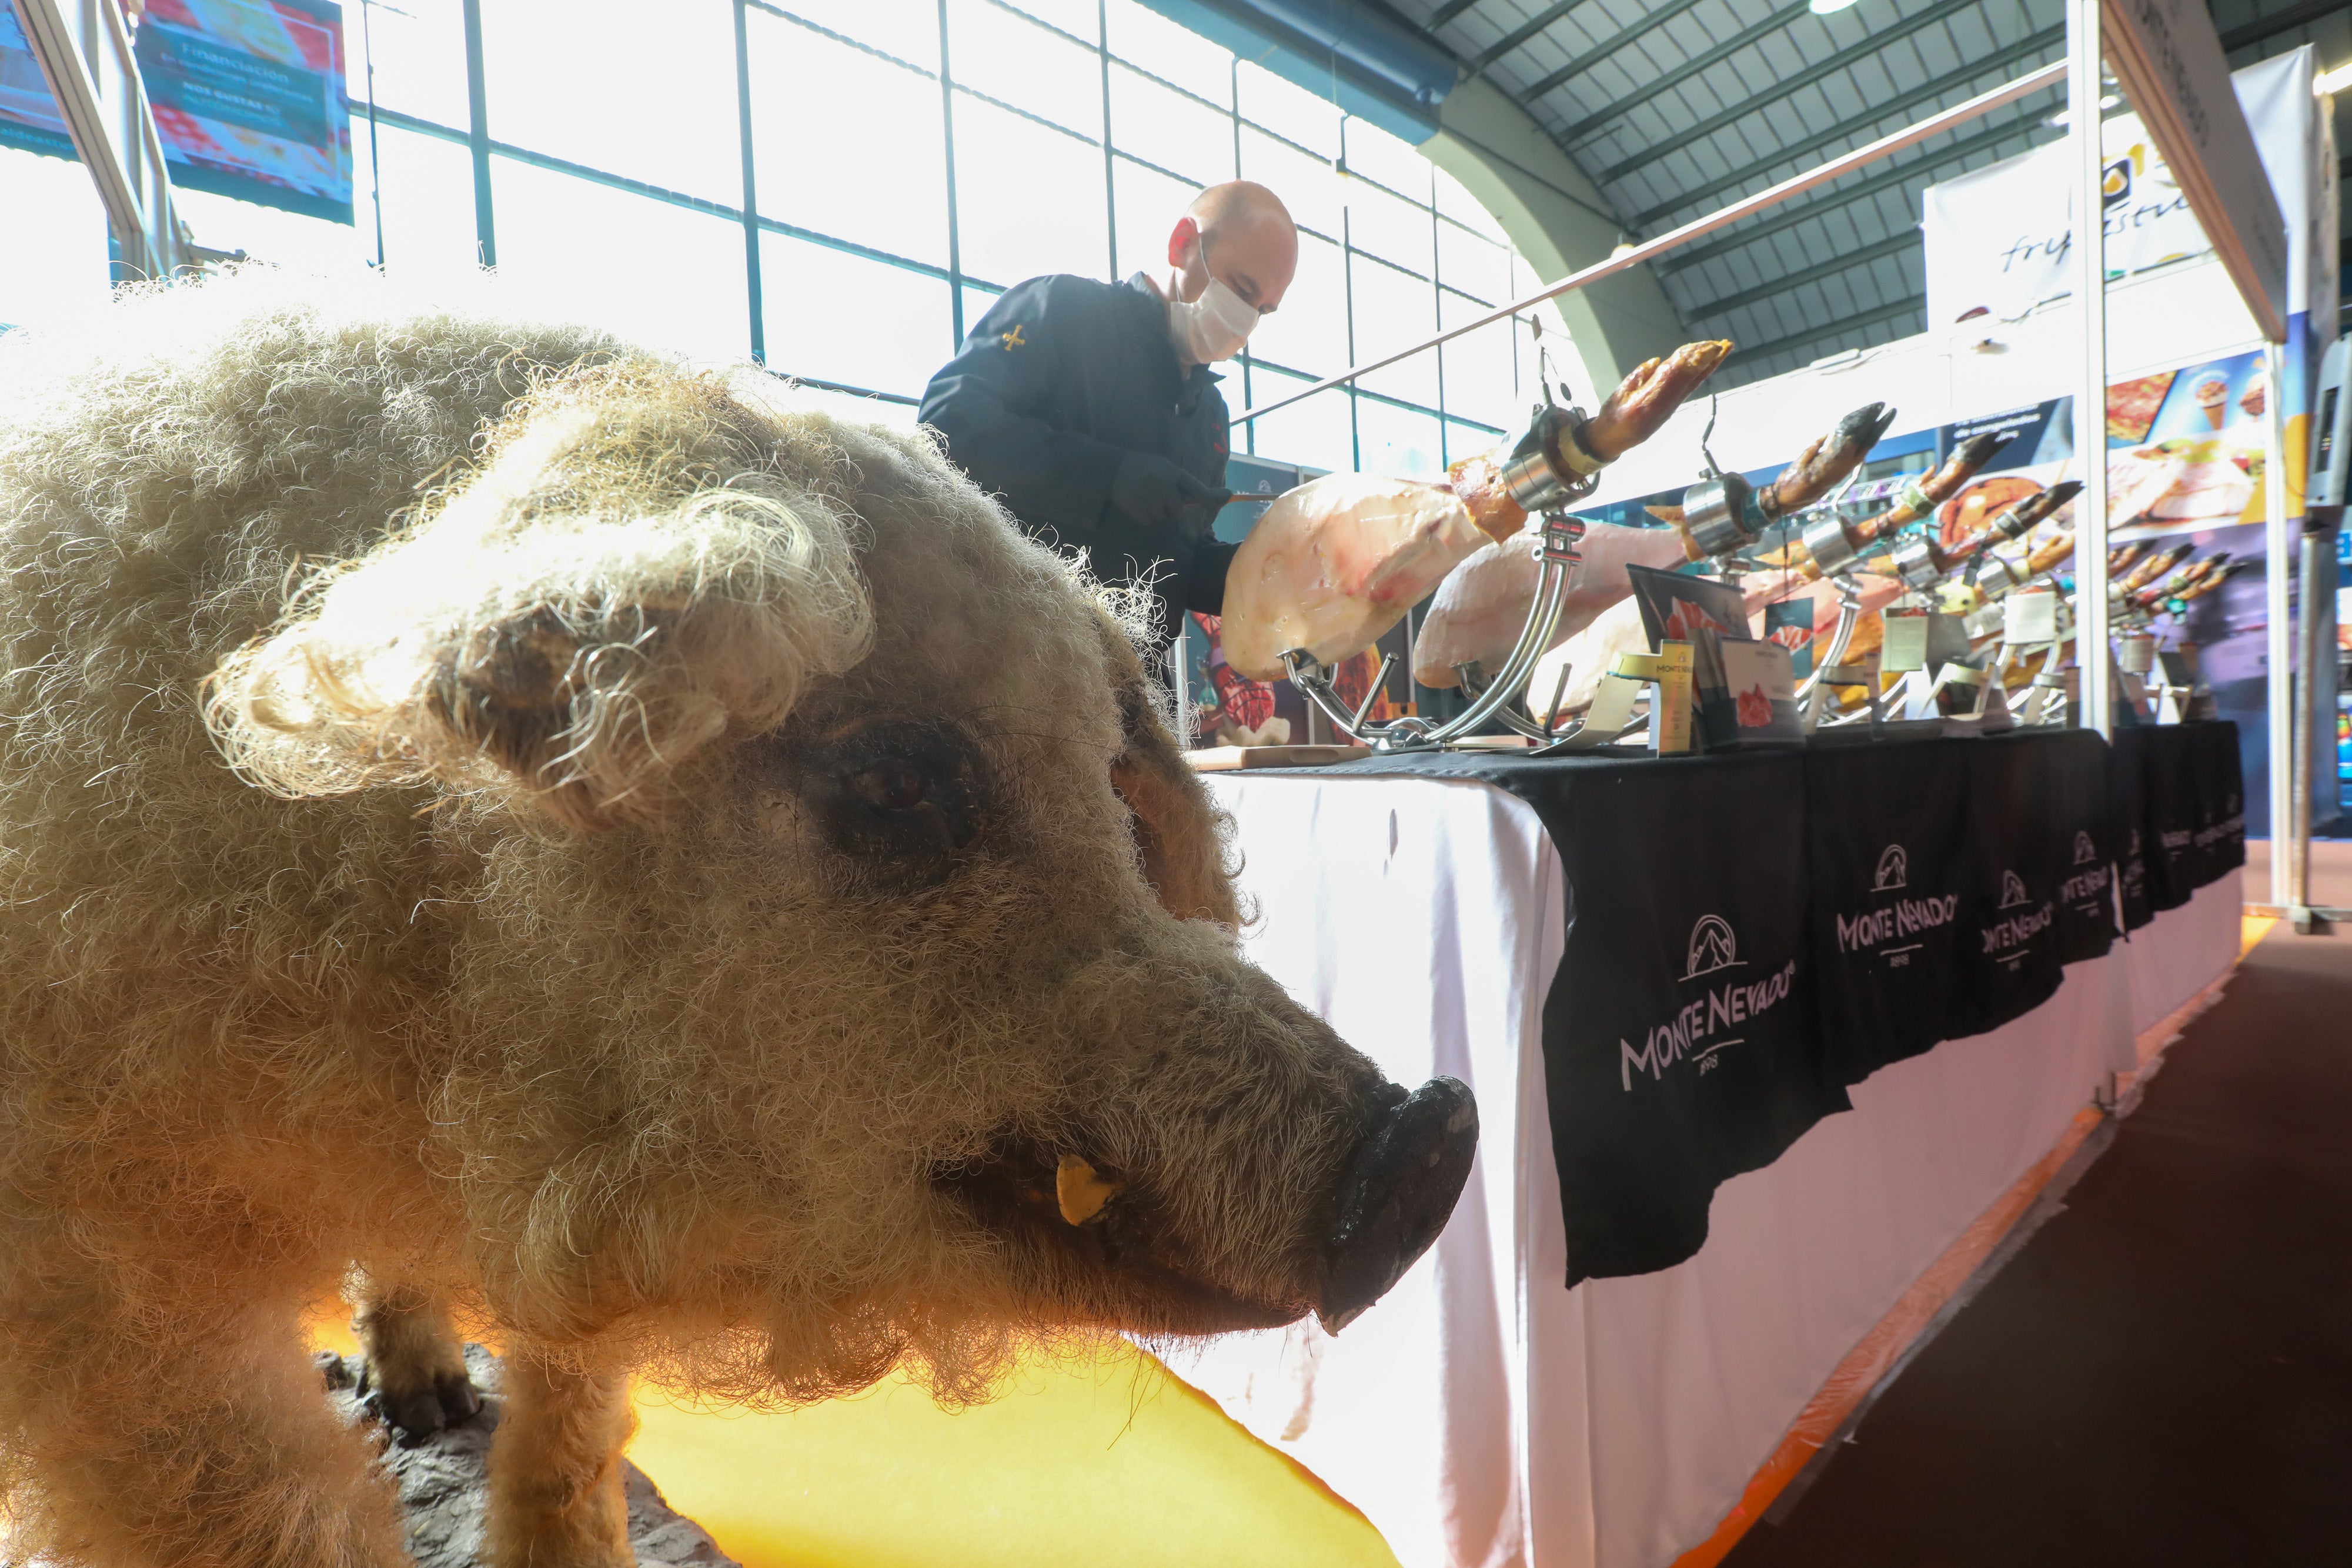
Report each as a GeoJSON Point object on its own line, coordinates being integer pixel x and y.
{"type": "Point", "coordinates": [608, 855]}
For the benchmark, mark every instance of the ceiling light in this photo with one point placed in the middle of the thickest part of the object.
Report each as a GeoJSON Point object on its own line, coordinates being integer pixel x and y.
{"type": "Point", "coordinates": [1824, 8]}
{"type": "Point", "coordinates": [2336, 80]}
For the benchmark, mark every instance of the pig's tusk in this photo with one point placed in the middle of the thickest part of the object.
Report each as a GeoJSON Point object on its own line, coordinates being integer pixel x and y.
{"type": "Point", "coordinates": [1079, 1191]}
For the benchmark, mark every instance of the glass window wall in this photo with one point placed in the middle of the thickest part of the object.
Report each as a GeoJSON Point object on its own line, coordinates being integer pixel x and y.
{"type": "Point", "coordinates": [910, 160]}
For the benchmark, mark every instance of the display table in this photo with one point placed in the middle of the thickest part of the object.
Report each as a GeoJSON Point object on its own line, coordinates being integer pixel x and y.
{"type": "Point", "coordinates": [1487, 1412]}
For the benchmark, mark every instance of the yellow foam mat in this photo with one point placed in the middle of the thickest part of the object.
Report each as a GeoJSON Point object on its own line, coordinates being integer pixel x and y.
{"type": "Point", "coordinates": [1113, 1461]}
{"type": "Point", "coordinates": [2253, 928]}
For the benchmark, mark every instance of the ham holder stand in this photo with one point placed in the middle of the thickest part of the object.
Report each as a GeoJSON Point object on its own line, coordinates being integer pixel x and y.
{"type": "Point", "coordinates": [1548, 469]}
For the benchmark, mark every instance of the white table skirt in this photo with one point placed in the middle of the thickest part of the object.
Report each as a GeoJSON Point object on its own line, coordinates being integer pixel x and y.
{"type": "Point", "coordinates": [1484, 1414]}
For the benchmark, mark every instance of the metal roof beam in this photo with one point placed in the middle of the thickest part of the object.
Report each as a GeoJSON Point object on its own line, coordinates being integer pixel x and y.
{"type": "Point", "coordinates": [1853, 54]}
{"type": "Point", "coordinates": [1525, 30]}
{"type": "Point", "coordinates": [1895, 311]}
{"type": "Point", "coordinates": [1648, 24]}
{"type": "Point", "coordinates": [1892, 245]}
{"type": "Point", "coordinates": [1795, 213]}
{"type": "Point", "coordinates": [1446, 13]}
{"type": "Point", "coordinates": [1778, 22]}
{"type": "Point", "coordinates": [2026, 48]}
{"type": "Point", "coordinates": [2271, 26]}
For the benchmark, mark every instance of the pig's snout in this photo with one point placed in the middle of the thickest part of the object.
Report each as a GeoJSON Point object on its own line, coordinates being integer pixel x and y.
{"type": "Point", "coordinates": [1396, 1196]}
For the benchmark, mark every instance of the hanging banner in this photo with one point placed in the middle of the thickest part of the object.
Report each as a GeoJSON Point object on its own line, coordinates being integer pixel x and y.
{"type": "Point", "coordinates": [247, 97]}
{"type": "Point", "coordinates": [2168, 57]}
{"type": "Point", "coordinates": [1997, 240]}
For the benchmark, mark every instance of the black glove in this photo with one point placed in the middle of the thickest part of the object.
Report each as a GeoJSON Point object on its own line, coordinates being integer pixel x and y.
{"type": "Point", "coordinates": [1164, 501]}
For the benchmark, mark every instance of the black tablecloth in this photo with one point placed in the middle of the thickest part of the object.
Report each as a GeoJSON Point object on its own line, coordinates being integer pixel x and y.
{"type": "Point", "coordinates": [1751, 935]}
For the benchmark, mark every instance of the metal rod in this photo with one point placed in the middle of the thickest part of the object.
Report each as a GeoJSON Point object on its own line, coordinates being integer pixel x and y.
{"type": "Point", "coordinates": [1558, 690]}
{"type": "Point", "coordinates": [375, 159]}
{"type": "Point", "coordinates": [1984, 103]}
{"type": "Point", "coordinates": [477, 137]}
{"type": "Point", "coordinates": [1387, 663]}
{"type": "Point", "coordinates": [2083, 93]}
{"type": "Point", "coordinates": [1180, 670]}
{"type": "Point", "coordinates": [947, 138]}
{"type": "Point", "coordinates": [2315, 682]}
{"type": "Point", "coordinates": [753, 296]}
{"type": "Point", "coordinates": [2279, 638]}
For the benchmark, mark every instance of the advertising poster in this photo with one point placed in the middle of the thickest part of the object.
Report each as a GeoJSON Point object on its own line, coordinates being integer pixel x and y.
{"type": "Point", "coordinates": [247, 97]}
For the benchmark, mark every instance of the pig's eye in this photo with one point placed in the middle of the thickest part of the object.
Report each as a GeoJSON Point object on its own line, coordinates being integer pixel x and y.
{"type": "Point", "coordinates": [901, 800]}
{"type": "Point", "coordinates": [893, 787]}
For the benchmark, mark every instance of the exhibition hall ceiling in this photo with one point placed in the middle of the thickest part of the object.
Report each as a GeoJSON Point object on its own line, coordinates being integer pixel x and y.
{"type": "Point", "coordinates": [1677, 107]}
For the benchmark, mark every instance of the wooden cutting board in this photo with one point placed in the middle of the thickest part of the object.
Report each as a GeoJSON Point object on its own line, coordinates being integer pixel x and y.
{"type": "Point", "coordinates": [1232, 759]}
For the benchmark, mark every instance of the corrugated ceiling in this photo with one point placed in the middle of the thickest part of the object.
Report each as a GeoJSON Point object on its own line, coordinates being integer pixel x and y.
{"type": "Point", "coordinates": [1679, 107]}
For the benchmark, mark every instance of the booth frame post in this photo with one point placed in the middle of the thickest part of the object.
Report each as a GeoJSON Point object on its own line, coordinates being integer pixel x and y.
{"type": "Point", "coordinates": [85, 54]}
{"type": "Point", "coordinates": [2290, 799]}
{"type": "Point", "coordinates": [2316, 694]}
{"type": "Point", "coordinates": [2083, 94]}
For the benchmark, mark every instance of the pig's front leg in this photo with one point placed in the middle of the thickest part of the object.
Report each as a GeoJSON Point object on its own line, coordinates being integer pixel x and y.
{"type": "Point", "coordinates": [169, 1415]}
{"type": "Point", "coordinates": [414, 1367]}
{"type": "Point", "coordinates": [555, 1468]}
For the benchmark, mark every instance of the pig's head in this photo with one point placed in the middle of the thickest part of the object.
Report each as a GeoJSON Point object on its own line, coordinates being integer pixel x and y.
{"type": "Point", "coordinates": [843, 968]}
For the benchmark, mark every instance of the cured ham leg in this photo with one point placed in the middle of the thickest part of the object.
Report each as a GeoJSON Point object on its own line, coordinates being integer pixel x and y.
{"type": "Point", "coordinates": [1335, 563]}
{"type": "Point", "coordinates": [1829, 459]}
{"type": "Point", "coordinates": [1481, 608]}
{"type": "Point", "coordinates": [1921, 499]}
{"type": "Point", "coordinates": [1813, 475]}
{"type": "Point", "coordinates": [1643, 402]}
{"type": "Point", "coordinates": [2014, 524]}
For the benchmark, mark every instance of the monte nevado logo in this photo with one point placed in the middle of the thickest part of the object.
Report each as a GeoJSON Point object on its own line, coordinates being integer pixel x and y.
{"type": "Point", "coordinates": [2089, 884]}
{"type": "Point", "coordinates": [1712, 947]}
{"type": "Point", "coordinates": [1871, 929]}
{"type": "Point", "coordinates": [1698, 1029]}
{"type": "Point", "coordinates": [2006, 940]}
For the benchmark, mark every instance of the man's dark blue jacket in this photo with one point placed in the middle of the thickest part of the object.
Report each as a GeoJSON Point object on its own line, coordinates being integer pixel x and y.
{"type": "Point", "coordinates": [1059, 380]}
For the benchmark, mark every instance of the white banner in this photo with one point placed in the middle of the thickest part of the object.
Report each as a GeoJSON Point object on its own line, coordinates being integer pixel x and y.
{"type": "Point", "coordinates": [1998, 239]}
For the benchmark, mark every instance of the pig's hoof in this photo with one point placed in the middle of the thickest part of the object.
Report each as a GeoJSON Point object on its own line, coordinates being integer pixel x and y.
{"type": "Point", "coordinates": [418, 1415]}
{"type": "Point", "coordinates": [1397, 1196]}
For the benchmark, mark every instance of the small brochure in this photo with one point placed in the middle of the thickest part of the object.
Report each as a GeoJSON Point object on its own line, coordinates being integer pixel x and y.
{"type": "Point", "coordinates": [1759, 703]}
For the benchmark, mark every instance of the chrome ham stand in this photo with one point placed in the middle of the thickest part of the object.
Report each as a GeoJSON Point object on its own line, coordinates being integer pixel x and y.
{"type": "Point", "coordinates": [1833, 657]}
{"type": "Point", "coordinates": [1548, 469]}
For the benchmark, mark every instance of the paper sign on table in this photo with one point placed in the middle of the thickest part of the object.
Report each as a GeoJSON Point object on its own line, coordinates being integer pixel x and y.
{"type": "Point", "coordinates": [1669, 671]}
{"type": "Point", "coordinates": [1906, 647]}
{"type": "Point", "coordinates": [2032, 618]}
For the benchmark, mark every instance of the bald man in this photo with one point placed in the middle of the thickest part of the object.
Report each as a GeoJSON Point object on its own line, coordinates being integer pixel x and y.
{"type": "Point", "coordinates": [1089, 408]}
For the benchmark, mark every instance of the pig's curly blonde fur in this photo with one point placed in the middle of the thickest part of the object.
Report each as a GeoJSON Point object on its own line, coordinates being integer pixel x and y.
{"type": "Point", "coordinates": [571, 527]}
{"type": "Point", "coordinates": [516, 980]}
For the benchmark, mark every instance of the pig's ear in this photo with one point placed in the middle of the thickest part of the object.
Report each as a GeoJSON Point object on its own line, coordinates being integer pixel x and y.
{"type": "Point", "coordinates": [631, 576]}
{"type": "Point", "coordinates": [1183, 839]}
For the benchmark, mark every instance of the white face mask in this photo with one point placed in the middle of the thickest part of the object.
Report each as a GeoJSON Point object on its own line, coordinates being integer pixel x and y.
{"type": "Point", "coordinates": [1212, 328]}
